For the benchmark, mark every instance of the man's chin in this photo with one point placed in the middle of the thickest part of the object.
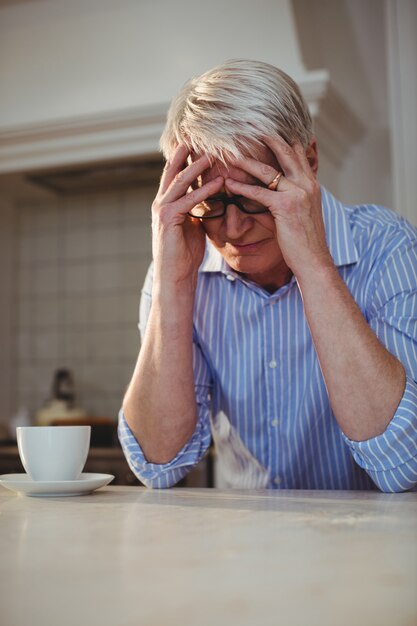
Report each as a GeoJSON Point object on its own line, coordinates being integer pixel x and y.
{"type": "Point", "coordinates": [245, 264]}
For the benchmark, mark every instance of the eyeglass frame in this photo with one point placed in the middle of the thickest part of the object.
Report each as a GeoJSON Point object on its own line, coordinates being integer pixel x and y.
{"type": "Point", "coordinates": [226, 201]}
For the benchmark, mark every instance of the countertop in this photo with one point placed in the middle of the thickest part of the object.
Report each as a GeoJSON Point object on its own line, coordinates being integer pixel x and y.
{"type": "Point", "coordinates": [130, 556]}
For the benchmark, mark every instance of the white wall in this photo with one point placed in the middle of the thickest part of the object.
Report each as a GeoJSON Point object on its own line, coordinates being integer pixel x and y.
{"type": "Point", "coordinates": [347, 37]}
{"type": "Point", "coordinates": [62, 58]}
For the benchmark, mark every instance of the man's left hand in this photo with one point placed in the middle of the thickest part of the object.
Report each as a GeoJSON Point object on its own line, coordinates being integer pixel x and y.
{"type": "Point", "coordinates": [295, 204]}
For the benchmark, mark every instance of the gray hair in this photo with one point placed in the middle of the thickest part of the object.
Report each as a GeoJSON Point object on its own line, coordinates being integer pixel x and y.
{"type": "Point", "coordinates": [226, 111]}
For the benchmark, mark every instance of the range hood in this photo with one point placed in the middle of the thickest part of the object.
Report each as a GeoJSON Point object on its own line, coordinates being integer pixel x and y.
{"type": "Point", "coordinates": [99, 177]}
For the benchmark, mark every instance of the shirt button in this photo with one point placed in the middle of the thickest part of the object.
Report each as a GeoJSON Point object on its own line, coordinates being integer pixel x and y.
{"type": "Point", "coordinates": [277, 480]}
{"type": "Point", "coordinates": [230, 277]}
{"type": "Point", "coordinates": [272, 364]}
{"type": "Point", "coordinates": [275, 422]}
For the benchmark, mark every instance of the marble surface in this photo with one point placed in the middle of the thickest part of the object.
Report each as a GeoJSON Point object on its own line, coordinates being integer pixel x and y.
{"type": "Point", "coordinates": [130, 556]}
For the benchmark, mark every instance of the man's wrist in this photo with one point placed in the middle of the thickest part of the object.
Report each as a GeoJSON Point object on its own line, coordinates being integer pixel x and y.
{"type": "Point", "coordinates": [175, 293]}
{"type": "Point", "coordinates": [319, 273]}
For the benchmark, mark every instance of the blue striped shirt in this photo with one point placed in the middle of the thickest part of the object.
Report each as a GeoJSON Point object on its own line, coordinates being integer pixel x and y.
{"type": "Point", "coordinates": [259, 389]}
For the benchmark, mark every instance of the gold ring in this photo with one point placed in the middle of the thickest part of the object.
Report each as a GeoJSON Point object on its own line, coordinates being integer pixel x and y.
{"type": "Point", "coordinates": [273, 185]}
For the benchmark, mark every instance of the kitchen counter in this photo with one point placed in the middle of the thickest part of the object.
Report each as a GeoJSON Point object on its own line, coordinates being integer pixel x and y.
{"type": "Point", "coordinates": [130, 556]}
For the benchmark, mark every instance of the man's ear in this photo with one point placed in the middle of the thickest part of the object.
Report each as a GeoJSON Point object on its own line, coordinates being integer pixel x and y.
{"type": "Point", "coordinates": [312, 155]}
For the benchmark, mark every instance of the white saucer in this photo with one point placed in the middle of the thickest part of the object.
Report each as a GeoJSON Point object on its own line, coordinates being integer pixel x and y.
{"type": "Point", "coordinates": [85, 484]}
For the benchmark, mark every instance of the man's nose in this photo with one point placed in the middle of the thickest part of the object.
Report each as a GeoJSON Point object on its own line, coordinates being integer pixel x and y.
{"type": "Point", "coordinates": [236, 223]}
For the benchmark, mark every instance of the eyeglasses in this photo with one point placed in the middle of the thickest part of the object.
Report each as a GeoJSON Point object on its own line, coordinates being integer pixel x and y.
{"type": "Point", "coordinates": [216, 207]}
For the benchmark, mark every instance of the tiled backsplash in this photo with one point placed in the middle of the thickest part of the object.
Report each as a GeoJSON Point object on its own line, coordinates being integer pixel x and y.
{"type": "Point", "coordinates": [81, 264]}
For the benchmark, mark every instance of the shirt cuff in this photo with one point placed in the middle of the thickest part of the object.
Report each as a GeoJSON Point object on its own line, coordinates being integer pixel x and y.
{"type": "Point", "coordinates": [164, 475]}
{"type": "Point", "coordinates": [395, 447]}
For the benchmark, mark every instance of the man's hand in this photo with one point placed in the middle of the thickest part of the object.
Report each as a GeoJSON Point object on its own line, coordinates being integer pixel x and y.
{"type": "Point", "coordinates": [295, 205]}
{"type": "Point", "coordinates": [160, 406]}
{"type": "Point", "coordinates": [179, 240]}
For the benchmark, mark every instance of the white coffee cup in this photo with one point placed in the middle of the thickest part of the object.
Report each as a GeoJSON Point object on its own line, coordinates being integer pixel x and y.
{"type": "Point", "coordinates": [52, 453]}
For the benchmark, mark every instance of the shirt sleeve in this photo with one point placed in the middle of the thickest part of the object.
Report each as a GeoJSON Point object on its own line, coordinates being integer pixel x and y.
{"type": "Point", "coordinates": [166, 475]}
{"type": "Point", "coordinates": [391, 458]}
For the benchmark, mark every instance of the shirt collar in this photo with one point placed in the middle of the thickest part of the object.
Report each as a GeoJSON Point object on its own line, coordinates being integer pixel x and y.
{"type": "Point", "coordinates": [338, 234]}
{"type": "Point", "coordinates": [338, 231]}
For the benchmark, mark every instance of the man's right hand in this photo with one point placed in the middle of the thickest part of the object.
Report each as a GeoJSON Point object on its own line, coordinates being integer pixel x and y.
{"type": "Point", "coordinates": [160, 405]}
{"type": "Point", "coordinates": [178, 240]}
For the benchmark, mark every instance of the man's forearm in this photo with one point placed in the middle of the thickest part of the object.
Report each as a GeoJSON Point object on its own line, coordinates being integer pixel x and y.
{"type": "Point", "coordinates": [365, 382]}
{"type": "Point", "coordinates": [159, 405]}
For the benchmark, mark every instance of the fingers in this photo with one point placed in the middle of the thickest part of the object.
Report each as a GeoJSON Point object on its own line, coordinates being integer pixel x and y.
{"type": "Point", "coordinates": [260, 194]}
{"type": "Point", "coordinates": [261, 171]}
{"type": "Point", "coordinates": [179, 189]}
{"type": "Point", "coordinates": [190, 199]}
{"type": "Point", "coordinates": [173, 166]}
{"type": "Point", "coordinates": [175, 212]}
{"type": "Point", "coordinates": [302, 157]}
{"type": "Point", "coordinates": [178, 176]}
{"type": "Point", "coordinates": [292, 159]}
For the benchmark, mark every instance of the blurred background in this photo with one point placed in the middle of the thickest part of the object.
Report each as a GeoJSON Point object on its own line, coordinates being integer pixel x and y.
{"type": "Point", "coordinates": [84, 90]}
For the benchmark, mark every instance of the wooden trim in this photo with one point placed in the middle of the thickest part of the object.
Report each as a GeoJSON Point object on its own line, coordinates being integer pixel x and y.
{"type": "Point", "coordinates": [121, 134]}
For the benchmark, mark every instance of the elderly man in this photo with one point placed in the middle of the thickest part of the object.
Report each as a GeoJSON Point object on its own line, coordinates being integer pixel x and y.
{"type": "Point", "coordinates": [275, 320]}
